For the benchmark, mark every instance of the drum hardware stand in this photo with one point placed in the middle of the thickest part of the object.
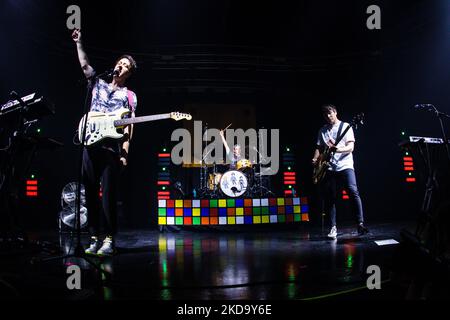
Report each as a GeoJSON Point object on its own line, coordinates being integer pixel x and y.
{"type": "Point", "coordinates": [203, 167]}
{"type": "Point", "coordinates": [203, 176]}
{"type": "Point", "coordinates": [260, 184]}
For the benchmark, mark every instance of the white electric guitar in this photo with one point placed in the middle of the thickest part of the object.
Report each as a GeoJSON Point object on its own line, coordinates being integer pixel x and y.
{"type": "Point", "coordinates": [110, 125]}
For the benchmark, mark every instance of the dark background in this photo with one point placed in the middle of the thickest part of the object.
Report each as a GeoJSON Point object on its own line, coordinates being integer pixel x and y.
{"type": "Point", "coordinates": [284, 58]}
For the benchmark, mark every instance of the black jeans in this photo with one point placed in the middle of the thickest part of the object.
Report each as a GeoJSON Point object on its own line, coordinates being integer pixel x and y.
{"type": "Point", "coordinates": [101, 165]}
{"type": "Point", "coordinates": [332, 185]}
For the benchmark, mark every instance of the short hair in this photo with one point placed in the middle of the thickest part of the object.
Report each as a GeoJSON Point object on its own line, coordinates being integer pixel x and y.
{"type": "Point", "coordinates": [237, 146]}
{"type": "Point", "coordinates": [132, 62]}
{"type": "Point", "coordinates": [328, 107]}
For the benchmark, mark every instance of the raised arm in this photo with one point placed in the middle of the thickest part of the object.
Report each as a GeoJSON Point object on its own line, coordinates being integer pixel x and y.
{"type": "Point", "coordinates": [82, 56]}
{"type": "Point", "coordinates": [227, 148]}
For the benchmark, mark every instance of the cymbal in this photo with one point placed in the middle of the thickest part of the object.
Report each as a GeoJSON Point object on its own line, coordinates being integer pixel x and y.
{"type": "Point", "coordinates": [199, 165]}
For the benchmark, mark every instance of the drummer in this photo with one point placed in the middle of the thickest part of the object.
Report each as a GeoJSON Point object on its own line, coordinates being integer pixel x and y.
{"type": "Point", "coordinates": [235, 155]}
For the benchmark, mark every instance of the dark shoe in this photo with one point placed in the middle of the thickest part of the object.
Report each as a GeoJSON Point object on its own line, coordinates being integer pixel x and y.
{"type": "Point", "coordinates": [362, 230]}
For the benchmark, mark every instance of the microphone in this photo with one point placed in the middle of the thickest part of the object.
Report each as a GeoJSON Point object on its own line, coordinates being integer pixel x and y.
{"type": "Point", "coordinates": [113, 72]}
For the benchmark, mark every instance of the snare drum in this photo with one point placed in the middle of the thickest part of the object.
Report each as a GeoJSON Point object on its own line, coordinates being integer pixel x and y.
{"type": "Point", "coordinates": [233, 183]}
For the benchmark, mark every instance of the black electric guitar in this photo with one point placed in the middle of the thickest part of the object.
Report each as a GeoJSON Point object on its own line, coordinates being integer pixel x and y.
{"type": "Point", "coordinates": [323, 162]}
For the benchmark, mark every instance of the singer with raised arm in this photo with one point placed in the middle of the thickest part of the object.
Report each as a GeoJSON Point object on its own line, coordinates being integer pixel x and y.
{"type": "Point", "coordinates": [102, 162]}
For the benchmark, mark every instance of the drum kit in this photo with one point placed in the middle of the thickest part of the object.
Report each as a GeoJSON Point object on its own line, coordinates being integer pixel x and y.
{"type": "Point", "coordinates": [245, 180]}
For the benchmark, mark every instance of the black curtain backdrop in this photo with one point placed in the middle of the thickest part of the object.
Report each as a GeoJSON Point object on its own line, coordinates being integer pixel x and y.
{"type": "Point", "coordinates": [284, 58]}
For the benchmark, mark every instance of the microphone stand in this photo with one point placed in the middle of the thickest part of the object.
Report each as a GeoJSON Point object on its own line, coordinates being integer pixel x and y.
{"type": "Point", "coordinates": [440, 116]}
{"type": "Point", "coordinates": [9, 187]}
{"type": "Point", "coordinates": [431, 184]}
{"type": "Point", "coordinates": [261, 187]}
{"type": "Point", "coordinates": [78, 251]}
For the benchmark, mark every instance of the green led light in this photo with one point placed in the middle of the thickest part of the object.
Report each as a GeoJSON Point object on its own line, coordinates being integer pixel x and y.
{"type": "Point", "coordinates": [38, 130]}
{"type": "Point", "coordinates": [407, 153]}
{"type": "Point", "coordinates": [164, 150]}
{"type": "Point", "coordinates": [32, 176]}
{"type": "Point", "coordinates": [163, 169]}
{"type": "Point", "coordinates": [410, 174]}
{"type": "Point", "coordinates": [403, 133]}
{"type": "Point", "coordinates": [349, 261]}
{"type": "Point", "coordinates": [288, 150]}
{"type": "Point", "coordinates": [289, 168]}
{"type": "Point", "coordinates": [290, 187]}
{"type": "Point", "coordinates": [164, 188]}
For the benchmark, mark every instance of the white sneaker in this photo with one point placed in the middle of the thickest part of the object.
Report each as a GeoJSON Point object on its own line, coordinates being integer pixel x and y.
{"type": "Point", "coordinates": [107, 248]}
{"type": "Point", "coordinates": [94, 246]}
{"type": "Point", "coordinates": [333, 233]}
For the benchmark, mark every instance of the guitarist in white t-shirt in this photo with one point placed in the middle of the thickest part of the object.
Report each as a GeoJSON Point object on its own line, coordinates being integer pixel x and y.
{"type": "Point", "coordinates": [340, 173]}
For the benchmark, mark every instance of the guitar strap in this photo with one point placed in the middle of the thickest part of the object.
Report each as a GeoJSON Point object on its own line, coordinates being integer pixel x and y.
{"type": "Point", "coordinates": [339, 130]}
{"type": "Point", "coordinates": [130, 99]}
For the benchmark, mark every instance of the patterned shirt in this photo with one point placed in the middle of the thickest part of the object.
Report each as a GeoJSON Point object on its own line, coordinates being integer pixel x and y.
{"type": "Point", "coordinates": [106, 99]}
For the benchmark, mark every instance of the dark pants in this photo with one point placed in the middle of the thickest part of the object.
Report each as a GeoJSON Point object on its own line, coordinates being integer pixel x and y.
{"type": "Point", "coordinates": [101, 165]}
{"type": "Point", "coordinates": [332, 185]}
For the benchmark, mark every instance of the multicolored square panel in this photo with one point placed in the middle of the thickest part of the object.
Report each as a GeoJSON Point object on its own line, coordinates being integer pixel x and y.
{"type": "Point", "coordinates": [232, 211]}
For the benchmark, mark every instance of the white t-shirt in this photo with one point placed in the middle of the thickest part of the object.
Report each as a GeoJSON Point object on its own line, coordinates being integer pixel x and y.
{"type": "Point", "coordinates": [340, 161]}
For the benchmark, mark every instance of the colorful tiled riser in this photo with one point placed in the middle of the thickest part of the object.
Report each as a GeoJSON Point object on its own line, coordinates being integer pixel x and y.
{"type": "Point", "coordinates": [232, 211]}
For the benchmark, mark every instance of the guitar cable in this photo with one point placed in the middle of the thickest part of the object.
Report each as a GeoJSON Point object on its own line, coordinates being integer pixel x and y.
{"type": "Point", "coordinates": [76, 137]}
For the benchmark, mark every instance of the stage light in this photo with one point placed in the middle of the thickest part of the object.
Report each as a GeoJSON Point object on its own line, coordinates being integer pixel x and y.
{"type": "Point", "coordinates": [403, 133]}
{"type": "Point", "coordinates": [289, 168]}
{"type": "Point", "coordinates": [38, 130]}
{"type": "Point", "coordinates": [288, 150]}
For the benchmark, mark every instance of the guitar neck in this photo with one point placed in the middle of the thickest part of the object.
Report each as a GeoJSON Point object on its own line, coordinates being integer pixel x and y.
{"type": "Point", "coordinates": [125, 122]}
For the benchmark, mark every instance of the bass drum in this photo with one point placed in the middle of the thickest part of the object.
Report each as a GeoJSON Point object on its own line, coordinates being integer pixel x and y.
{"type": "Point", "coordinates": [233, 183]}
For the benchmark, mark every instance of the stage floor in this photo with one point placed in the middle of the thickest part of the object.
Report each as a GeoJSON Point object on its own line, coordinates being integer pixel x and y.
{"type": "Point", "coordinates": [281, 263]}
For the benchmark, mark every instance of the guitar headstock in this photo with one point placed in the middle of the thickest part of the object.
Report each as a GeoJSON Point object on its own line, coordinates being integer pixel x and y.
{"type": "Point", "coordinates": [358, 120]}
{"type": "Point", "coordinates": [177, 116]}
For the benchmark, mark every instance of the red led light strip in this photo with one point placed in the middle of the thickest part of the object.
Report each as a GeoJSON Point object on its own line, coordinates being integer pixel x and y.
{"type": "Point", "coordinates": [31, 188]}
